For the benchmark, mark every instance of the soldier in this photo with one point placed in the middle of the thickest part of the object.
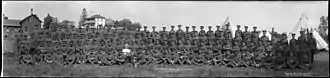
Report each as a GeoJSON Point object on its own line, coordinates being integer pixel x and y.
{"type": "Point", "coordinates": [304, 53]}
{"type": "Point", "coordinates": [164, 36]}
{"type": "Point", "coordinates": [238, 37]}
{"type": "Point", "coordinates": [187, 33]}
{"type": "Point", "coordinates": [255, 35]}
{"type": "Point", "coordinates": [227, 58]}
{"type": "Point", "coordinates": [202, 37]}
{"type": "Point", "coordinates": [293, 42]}
{"type": "Point", "coordinates": [264, 38]}
{"type": "Point", "coordinates": [210, 36]}
{"type": "Point", "coordinates": [179, 33]}
{"type": "Point", "coordinates": [194, 33]}
{"type": "Point", "coordinates": [227, 30]}
{"type": "Point", "coordinates": [237, 54]}
{"type": "Point", "coordinates": [260, 54]}
{"type": "Point", "coordinates": [172, 39]}
{"type": "Point", "coordinates": [172, 33]}
{"type": "Point", "coordinates": [312, 45]}
{"type": "Point", "coordinates": [163, 33]}
{"type": "Point", "coordinates": [155, 34]}
{"type": "Point", "coordinates": [238, 31]}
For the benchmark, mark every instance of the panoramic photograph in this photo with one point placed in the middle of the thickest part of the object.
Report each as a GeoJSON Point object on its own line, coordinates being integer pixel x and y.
{"type": "Point", "coordinates": [165, 39]}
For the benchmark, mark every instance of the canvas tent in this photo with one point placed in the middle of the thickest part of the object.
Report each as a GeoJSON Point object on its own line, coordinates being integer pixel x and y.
{"type": "Point", "coordinates": [305, 23]}
{"type": "Point", "coordinates": [226, 22]}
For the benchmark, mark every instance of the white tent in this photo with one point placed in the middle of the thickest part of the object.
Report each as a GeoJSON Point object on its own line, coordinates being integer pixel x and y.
{"type": "Point", "coordinates": [226, 22]}
{"type": "Point", "coordinates": [305, 23]}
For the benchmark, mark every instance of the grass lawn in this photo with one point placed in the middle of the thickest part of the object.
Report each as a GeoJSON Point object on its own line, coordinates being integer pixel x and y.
{"type": "Point", "coordinates": [12, 68]}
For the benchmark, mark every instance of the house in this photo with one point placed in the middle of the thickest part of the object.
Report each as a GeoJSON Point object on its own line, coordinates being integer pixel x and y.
{"type": "Point", "coordinates": [95, 21]}
{"type": "Point", "coordinates": [10, 27]}
{"type": "Point", "coordinates": [31, 23]}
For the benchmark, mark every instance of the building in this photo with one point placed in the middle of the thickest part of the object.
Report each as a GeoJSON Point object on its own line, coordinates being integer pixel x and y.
{"type": "Point", "coordinates": [31, 23]}
{"type": "Point", "coordinates": [95, 21]}
{"type": "Point", "coordinates": [10, 27]}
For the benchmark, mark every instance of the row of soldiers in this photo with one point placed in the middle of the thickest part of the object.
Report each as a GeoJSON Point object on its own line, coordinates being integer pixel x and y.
{"type": "Point", "coordinates": [245, 49]}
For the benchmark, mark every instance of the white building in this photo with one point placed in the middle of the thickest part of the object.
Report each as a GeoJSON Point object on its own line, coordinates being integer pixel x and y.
{"type": "Point", "coordinates": [95, 21]}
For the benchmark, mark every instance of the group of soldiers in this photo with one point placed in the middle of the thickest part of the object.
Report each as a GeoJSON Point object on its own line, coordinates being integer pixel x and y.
{"type": "Point", "coordinates": [220, 48]}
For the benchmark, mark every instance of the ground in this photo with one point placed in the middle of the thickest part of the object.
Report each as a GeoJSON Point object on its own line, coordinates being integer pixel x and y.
{"type": "Point", "coordinates": [12, 68]}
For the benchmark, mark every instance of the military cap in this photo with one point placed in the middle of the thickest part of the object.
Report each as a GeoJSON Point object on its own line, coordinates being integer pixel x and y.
{"type": "Point", "coordinates": [264, 31]}
{"type": "Point", "coordinates": [153, 26]}
{"type": "Point", "coordinates": [293, 33]}
{"type": "Point", "coordinates": [218, 26]}
{"type": "Point", "coordinates": [193, 26]}
{"type": "Point", "coordinates": [187, 27]}
{"type": "Point", "coordinates": [172, 26]}
{"type": "Point", "coordinates": [302, 31]}
{"type": "Point", "coordinates": [179, 25]}
{"type": "Point", "coordinates": [210, 27]}
{"type": "Point", "coordinates": [202, 26]}
{"type": "Point", "coordinates": [246, 27]}
{"type": "Point", "coordinates": [238, 26]}
{"type": "Point", "coordinates": [254, 27]}
{"type": "Point", "coordinates": [164, 27]}
{"type": "Point", "coordinates": [145, 27]}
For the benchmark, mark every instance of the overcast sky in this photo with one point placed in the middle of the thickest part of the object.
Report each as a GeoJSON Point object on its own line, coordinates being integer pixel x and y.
{"type": "Point", "coordinates": [265, 15]}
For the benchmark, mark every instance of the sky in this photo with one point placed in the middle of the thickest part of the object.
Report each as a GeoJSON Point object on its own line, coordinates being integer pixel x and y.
{"type": "Point", "coordinates": [283, 16]}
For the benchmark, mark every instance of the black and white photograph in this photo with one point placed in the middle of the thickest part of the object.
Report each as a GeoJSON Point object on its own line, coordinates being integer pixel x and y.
{"type": "Point", "coordinates": [165, 39]}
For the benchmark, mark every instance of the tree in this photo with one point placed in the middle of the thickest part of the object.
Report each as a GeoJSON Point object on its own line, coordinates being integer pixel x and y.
{"type": "Point", "coordinates": [47, 21]}
{"type": "Point", "coordinates": [323, 28]}
{"type": "Point", "coordinates": [67, 24]}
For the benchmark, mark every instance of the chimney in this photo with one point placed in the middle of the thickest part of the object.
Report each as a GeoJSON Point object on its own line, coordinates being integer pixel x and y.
{"type": "Point", "coordinates": [31, 11]}
{"type": "Point", "coordinates": [4, 16]}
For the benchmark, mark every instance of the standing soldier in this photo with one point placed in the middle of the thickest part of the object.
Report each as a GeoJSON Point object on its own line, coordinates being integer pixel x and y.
{"type": "Point", "coordinates": [264, 38]}
{"type": "Point", "coordinates": [311, 44]}
{"type": "Point", "coordinates": [210, 36]}
{"type": "Point", "coordinates": [227, 30]}
{"type": "Point", "coordinates": [292, 59]}
{"type": "Point", "coordinates": [238, 31]}
{"type": "Point", "coordinates": [164, 36]}
{"type": "Point", "coordinates": [187, 41]}
{"type": "Point", "coordinates": [293, 42]}
{"type": "Point", "coordinates": [180, 37]}
{"type": "Point", "coordinates": [238, 36]}
{"type": "Point", "coordinates": [255, 35]}
{"type": "Point", "coordinates": [172, 37]}
{"type": "Point", "coordinates": [195, 41]}
{"type": "Point", "coordinates": [304, 53]}
{"type": "Point", "coordinates": [179, 33]}
{"type": "Point", "coordinates": [201, 36]}
{"type": "Point", "coordinates": [218, 36]}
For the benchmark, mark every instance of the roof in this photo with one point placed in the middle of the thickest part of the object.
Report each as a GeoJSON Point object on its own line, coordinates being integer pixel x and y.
{"type": "Point", "coordinates": [11, 22]}
{"type": "Point", "coordinates": [96, 16]}
{"type": "Point", "coordinates": [32, 15]}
